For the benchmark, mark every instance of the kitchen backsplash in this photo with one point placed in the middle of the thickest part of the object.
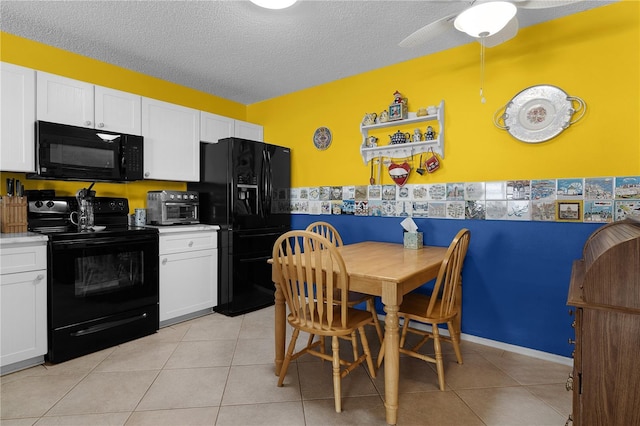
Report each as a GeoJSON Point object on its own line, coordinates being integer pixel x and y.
{"type": "Point", "coordinates": [593, 199]}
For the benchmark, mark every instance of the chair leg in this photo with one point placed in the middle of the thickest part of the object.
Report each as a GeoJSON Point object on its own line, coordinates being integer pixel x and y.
{"type": "Point", "coordinates": [287, 358]}
{"type": "Point", "coordinates": [438, 350]}
{"type": "Point", "coordinates": [354, 345]}
{"type": "Point", "coordinates": [405, 328]}
{"type": "Point", "coordinates": [381, 354]}
{"type": "Point", "coordinates": [376, 323]}
{"type": "Point", "coordinates": [367, 352]}
{"type": "Point", "coordinates": [455, 340]}
{"type": "Point", "coordinates": [335, 346]}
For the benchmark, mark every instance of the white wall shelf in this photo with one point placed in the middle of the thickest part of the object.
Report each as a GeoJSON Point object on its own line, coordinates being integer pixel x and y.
{"type": "Point", "coordinates": [408, 149]}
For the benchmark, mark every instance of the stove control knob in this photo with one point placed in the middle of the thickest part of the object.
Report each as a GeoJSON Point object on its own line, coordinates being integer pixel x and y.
{"type": "Point", "coordinates": [50, 204]}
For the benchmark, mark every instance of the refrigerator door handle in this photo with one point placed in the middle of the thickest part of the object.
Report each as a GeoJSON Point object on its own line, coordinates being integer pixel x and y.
{"type": "Point", "coordinates": [263, 186]}
{"type": "Point", "coordinates": [269, 188]}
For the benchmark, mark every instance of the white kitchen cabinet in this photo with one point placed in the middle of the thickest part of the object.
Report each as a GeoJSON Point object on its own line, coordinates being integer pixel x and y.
{"type": "Point", "coordinates": [118, 111]}
{"type": "Point", "coordinates": [77, 103]}
{"type": "Point", "coordinates": [246, 130]}
{"type": "Point", "coordinates": [214, 127]}
{"type": "Point", "coordinates": [23, 304]}
{"type": "Point", "coordinates": [17, 115]}
{"type": "Point", "coordinates": [188, 272]}
{"type": "Point", "coordinates": [171, 141]}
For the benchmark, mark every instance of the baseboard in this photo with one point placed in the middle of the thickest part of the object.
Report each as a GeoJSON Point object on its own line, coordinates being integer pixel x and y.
{"type": "Point", "coordinates": [500, 345]}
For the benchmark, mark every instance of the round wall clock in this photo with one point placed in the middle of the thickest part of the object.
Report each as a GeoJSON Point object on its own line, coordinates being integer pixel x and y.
{"type": "Point", "coordinates": [322, 138]}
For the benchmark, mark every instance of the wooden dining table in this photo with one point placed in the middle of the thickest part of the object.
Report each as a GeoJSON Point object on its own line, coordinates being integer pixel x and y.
{"type": "Point", "coordinates": [381, 269]}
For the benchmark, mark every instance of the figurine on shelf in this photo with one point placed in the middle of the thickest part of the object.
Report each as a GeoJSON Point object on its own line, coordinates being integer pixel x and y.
{"type": "Point", "coordinates": [417, 135]}
{"type": "Point", "coordinates": [422, 111]}
{"type": "Point", "coordinates": [384, 116]}
{"type": "Point", "coordinates": [429, 135]}
{"type": "Point", "coordinates": [369, 119]}
{"type": "Point", "coordinates": [398, 98]}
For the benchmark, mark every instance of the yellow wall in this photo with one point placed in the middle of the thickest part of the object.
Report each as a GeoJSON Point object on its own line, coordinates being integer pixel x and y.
{"type": "Point", "coordinates": [593, 55]}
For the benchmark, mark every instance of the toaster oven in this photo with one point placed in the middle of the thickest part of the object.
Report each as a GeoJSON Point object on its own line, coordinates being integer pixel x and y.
{"type": "Point", "coordinates": [172, 207]}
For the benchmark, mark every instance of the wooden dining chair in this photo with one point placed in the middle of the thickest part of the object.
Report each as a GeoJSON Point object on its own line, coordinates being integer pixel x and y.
{"type": "Point", "coordinates": [355, 298]}
{"type": "Point", "coordinates": [443, 306]}
{"type": "Point", "coordinates": [313, 278]}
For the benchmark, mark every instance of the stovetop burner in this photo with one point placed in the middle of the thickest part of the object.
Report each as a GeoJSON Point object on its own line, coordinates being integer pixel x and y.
{"type": "Point", "coordinates": [52, 217]}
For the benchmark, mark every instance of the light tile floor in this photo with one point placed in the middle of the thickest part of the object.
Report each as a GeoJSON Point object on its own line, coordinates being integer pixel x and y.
{"type": "Point", "coordinates": [216, 370]}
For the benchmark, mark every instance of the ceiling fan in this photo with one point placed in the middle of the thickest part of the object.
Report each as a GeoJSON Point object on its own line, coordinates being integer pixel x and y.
{"type": "Point", "coordinates": [480, 14]}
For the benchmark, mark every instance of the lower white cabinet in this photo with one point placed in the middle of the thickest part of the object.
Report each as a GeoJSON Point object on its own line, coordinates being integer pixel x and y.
{"type": "Point", "coordinates": [23, 305]}
{"type": "Point", "coordinates": [188, 273]}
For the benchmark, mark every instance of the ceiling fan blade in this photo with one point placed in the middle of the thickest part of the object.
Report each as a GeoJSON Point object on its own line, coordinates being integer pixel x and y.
{"type": "Point", "coordinates": [543, 4]}
{"type": "Point", "coordinates": [505, 34]}
{"type": "Point", "coordinates": [429, 32]}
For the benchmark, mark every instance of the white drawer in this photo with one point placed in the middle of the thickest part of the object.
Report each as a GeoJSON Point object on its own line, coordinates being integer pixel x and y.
{"type": "Point", "coordinates": [188, 241]}
{"type": "Point", "coordinates": [21, 258]}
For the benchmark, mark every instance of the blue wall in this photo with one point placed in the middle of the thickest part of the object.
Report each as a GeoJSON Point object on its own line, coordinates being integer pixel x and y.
{"type": "Point", "coordinates": [515, 278]}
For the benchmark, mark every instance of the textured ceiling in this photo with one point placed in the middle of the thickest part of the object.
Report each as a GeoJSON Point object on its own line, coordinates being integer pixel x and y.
{"type": "Point", "coordinates": [234, 49]}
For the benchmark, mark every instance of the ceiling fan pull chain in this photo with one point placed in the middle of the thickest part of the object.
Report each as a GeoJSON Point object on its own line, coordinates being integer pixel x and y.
{"type": "Point", "coordinates": [482, 54]}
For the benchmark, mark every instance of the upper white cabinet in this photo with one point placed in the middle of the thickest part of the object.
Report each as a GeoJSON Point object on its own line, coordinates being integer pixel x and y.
{"type": "Point", "coordinates": [17, 115]}
{"type": "Point", "coordinates": [214, 127]}
{"type": "Point", "coordinates": [118, 111]}
{"type": "Point", "coordinates": [77, 103]}
{"type": "Point", "coordinates": [245, 130]}
{"type": "Point", "coordinates": [171, 141]}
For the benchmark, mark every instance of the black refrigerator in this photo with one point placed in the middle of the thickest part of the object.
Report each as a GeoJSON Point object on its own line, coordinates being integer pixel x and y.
{"type": "Point", "coordinates": [244, 187]}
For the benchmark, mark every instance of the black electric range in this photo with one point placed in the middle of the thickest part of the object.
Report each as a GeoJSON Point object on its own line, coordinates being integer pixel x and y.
{"type": "Point", "coordinates": [102, 284]}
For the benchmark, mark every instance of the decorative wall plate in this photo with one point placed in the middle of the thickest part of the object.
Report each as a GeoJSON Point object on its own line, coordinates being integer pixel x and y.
{"type": "Point", "coordinates": [539, 113]}
{"type": "Point", "coordinates": [322, 138]}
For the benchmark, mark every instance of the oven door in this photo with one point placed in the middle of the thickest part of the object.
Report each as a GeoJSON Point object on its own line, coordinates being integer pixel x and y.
{"type": "Point", "coordinates": [97, 277]}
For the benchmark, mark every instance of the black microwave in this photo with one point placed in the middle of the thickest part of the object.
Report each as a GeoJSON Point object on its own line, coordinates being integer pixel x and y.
{"type": "Point", "coordinates": [76, 153]}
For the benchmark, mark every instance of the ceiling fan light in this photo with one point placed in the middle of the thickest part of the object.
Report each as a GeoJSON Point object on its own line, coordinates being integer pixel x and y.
{"type": "Point", "coordinates": [485, 19]}
{"type": "Point", "coordinates": [274, 4]}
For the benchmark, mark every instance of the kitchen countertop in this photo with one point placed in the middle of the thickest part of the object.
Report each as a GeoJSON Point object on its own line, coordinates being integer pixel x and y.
{"type": "Point", "coordinates": [184, 228]}
{"type": "Point", "coordinates": [22, 238]}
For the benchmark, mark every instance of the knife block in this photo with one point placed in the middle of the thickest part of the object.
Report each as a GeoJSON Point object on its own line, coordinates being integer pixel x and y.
{"type": "Point", "coordinates": [13, 214]}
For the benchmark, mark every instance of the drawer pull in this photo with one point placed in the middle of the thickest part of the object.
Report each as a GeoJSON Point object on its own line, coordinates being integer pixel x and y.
{"type": "Point", "coordinates": [40, 277]}
{"type": "Point", "coordinates": [190, 243]}
{"type": "Point", "coordinates": [164, 261]}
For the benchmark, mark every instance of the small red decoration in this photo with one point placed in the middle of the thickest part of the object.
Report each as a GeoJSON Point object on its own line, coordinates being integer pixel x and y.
{"type": "Point", "coordinates": [399, 173]}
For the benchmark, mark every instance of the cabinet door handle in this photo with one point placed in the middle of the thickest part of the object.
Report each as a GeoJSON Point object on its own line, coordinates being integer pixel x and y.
{"type": "Point", "coordinates": [190, 243]}
{"type": "Point", "coordinates": [146, 174]}
{"type": "Point", "coordinates": [100, 124]}
{"type": "Point", "coordinates": [87, 123]}
{"type": "Point", "coordinates": [164, 261]}
{"type": "Point", "coordinates": [40, 277]}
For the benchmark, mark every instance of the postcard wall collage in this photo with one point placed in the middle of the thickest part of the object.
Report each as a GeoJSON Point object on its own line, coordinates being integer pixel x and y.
{"type": "Point", "coordinates": [600, 200]}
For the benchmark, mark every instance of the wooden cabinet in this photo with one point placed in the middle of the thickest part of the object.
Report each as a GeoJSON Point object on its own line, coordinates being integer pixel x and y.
{"type": "Point", "coordinates": [77, 103]}
{"type": "Point", "coordinates": [214, 127]}
{"type": "Point", "coordinates": [23, 304]}
{"type": "Point", "coordinates": [17, 115]}
{"type": "Point", "coordinates": [171, 141]}
{"type": "Point", "coordinates": [188, 272]}
{"type": "Point", "coordinates": [605, 290]}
